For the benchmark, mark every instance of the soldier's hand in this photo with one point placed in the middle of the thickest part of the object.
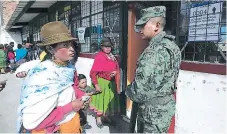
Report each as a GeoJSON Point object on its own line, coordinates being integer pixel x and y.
{"type": "Point", "coordinates": [21, 74]}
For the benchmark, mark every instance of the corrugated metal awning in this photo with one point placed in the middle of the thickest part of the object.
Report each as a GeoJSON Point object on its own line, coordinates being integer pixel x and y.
{"type": "Point", "coordinates": [18, 12]}
{"type": "Point", "coordinates": [24, 12]}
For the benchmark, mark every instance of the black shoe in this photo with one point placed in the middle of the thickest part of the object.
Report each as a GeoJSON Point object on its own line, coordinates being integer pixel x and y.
{"type": "Point", "coordinates": [86, 126]}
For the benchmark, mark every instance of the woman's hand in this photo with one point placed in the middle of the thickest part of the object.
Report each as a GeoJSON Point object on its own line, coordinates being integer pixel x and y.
{"type": "Point", "coordinates": [87, 102]}
{"type": "Point", "coordinates": [113, 73]}
{"type": "Point", "coordinates": [97, 88]}
{"type": "Point", "coordinates": [77, 104]}
{"type": "Point", "coordinates": [21, 74]}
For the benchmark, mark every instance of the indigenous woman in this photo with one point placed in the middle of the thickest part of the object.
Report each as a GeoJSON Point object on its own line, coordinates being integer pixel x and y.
{"type": "Point", "coordinates": [105, 78]}
{"type": "Point", "coordinates": [48, 102]}
{"type": "Point", "coordinates": [2, 58]}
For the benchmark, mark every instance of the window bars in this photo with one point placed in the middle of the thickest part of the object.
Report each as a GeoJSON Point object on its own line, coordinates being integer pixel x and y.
{"type": "Point", "coordinates": [99, 19]}
{"type": "Point", "coordinates": [199, 27]}
{"type": "Point", "coordinates": [203, 27]}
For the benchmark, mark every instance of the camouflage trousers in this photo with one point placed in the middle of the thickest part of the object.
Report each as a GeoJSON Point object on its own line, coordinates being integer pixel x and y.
{"type": "Point", "coordinates": [155, 118]}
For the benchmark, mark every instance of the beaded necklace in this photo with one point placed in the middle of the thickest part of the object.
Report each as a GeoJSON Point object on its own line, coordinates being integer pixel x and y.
{"type": "Point", "coordinates": [61, 63]}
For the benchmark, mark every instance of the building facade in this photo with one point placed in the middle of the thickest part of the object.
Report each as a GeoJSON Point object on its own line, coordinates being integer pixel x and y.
{"type": "Point", "coordinates": [200, 30]}
{"type": "Point", "coordinates": [9, 35]}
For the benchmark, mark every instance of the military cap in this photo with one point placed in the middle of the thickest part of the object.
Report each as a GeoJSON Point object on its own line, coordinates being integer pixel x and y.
{"type": "Point", "coordinates": [151, 12]}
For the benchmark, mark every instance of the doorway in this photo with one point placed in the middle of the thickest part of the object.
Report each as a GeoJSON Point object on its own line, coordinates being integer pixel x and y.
{"type": "Point", "coordinates": [136, 45]}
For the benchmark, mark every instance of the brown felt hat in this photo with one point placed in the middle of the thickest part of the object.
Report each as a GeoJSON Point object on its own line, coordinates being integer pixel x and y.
{"type": "Point", "coordinates": [55, 32]}
{"type": "Point", "coordinates": [106, 42]}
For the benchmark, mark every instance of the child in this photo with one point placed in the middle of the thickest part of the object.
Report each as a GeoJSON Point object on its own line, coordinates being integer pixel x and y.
{"type": "Point", "coordinates": [88, 90]}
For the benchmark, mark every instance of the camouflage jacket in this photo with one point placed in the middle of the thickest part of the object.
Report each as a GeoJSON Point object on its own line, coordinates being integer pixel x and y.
{"type": "Point", "coordinates": [157, 70]}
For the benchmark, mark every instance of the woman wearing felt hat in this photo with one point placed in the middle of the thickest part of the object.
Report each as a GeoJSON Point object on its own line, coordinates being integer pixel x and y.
{"type": "Point", "coordinates": [105, 76]}
{"type": "Point", "coordinates": [48, 103]}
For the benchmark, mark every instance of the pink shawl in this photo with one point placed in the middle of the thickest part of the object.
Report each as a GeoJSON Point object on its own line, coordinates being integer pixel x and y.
{"type": "Point", "coordinates": [103, 64]}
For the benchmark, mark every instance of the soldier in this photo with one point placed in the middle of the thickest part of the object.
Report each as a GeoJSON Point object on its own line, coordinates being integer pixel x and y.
{"type": "Point", "coordinates": [156, 74]}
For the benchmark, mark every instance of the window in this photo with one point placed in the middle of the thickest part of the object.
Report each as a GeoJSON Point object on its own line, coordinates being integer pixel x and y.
{"type": "Point", "coordinates": [34, 31]}
{"type": "Point", "coordinates": [42, 21]}
{"type": "Point", "coordinates": [52, 16]}
{"type": "Point", "coordinates": [202, 31]}
{"type": "Point", "coordinates": [92, 20]}
{"type": "Point", "coordinates": [64, 13]}
{"type": "Point", "coordinates": [25, 33]}
{"type": "Point", "coordinates": [75, 18]}
{"type": "Point", "coordinates": [112, 28]}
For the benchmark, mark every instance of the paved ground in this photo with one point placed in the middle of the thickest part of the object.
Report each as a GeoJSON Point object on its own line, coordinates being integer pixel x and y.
{"type": "Point", "coordinates": [9, 100]}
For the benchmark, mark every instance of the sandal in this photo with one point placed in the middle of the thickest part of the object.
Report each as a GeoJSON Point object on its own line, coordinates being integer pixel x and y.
{"type": "Point", "coordinates": [99, 123]}
{"type": "Point", "coordinates": [87, 126]}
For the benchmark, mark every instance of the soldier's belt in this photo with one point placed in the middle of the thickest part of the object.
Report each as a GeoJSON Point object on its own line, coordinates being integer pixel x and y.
{"type": "Point", "coordinates": [160, 100]}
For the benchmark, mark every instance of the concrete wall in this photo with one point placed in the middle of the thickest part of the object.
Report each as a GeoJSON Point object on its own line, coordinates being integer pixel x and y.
{"type": "Point", "coordinates": [7, 37]}
{"type": "Point", "coordinates": [8, 8]}
{"type": "Point", "coordinates": [201, 103]}
{"type": "Point", "coordinates": [83, 66]}
{"type": "Point", "coordinates": [201, 100]}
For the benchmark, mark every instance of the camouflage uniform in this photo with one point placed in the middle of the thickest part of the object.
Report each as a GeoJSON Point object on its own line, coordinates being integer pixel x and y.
{"type": "Point", "coordinates": [156, 73]}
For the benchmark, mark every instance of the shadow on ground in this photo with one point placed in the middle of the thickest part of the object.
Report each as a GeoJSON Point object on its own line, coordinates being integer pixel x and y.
{"type": "Point", "coordinates": [122, 126]}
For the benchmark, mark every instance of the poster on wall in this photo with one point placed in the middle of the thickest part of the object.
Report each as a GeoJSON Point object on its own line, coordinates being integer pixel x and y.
{"type": "Point", "coordinates": [81, 33]}
{"type": "Point", "coordinates": [204, 22]}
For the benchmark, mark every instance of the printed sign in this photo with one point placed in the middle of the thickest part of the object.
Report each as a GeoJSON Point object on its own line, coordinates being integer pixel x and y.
{"type": "Point", "coordinates": [81, 33]}
{"type": "Point", "coordinates": [204, 22]}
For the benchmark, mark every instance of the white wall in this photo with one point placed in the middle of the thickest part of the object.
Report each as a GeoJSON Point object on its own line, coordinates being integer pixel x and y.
{"type": "Point", "coordinates": [201, 100]}
{"type": "Point", "coordinates": [83, 66]}
{"type": "Point", "coordinates": [7, 37]}
{"type": "Point", "coordinates": [201, 103]}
